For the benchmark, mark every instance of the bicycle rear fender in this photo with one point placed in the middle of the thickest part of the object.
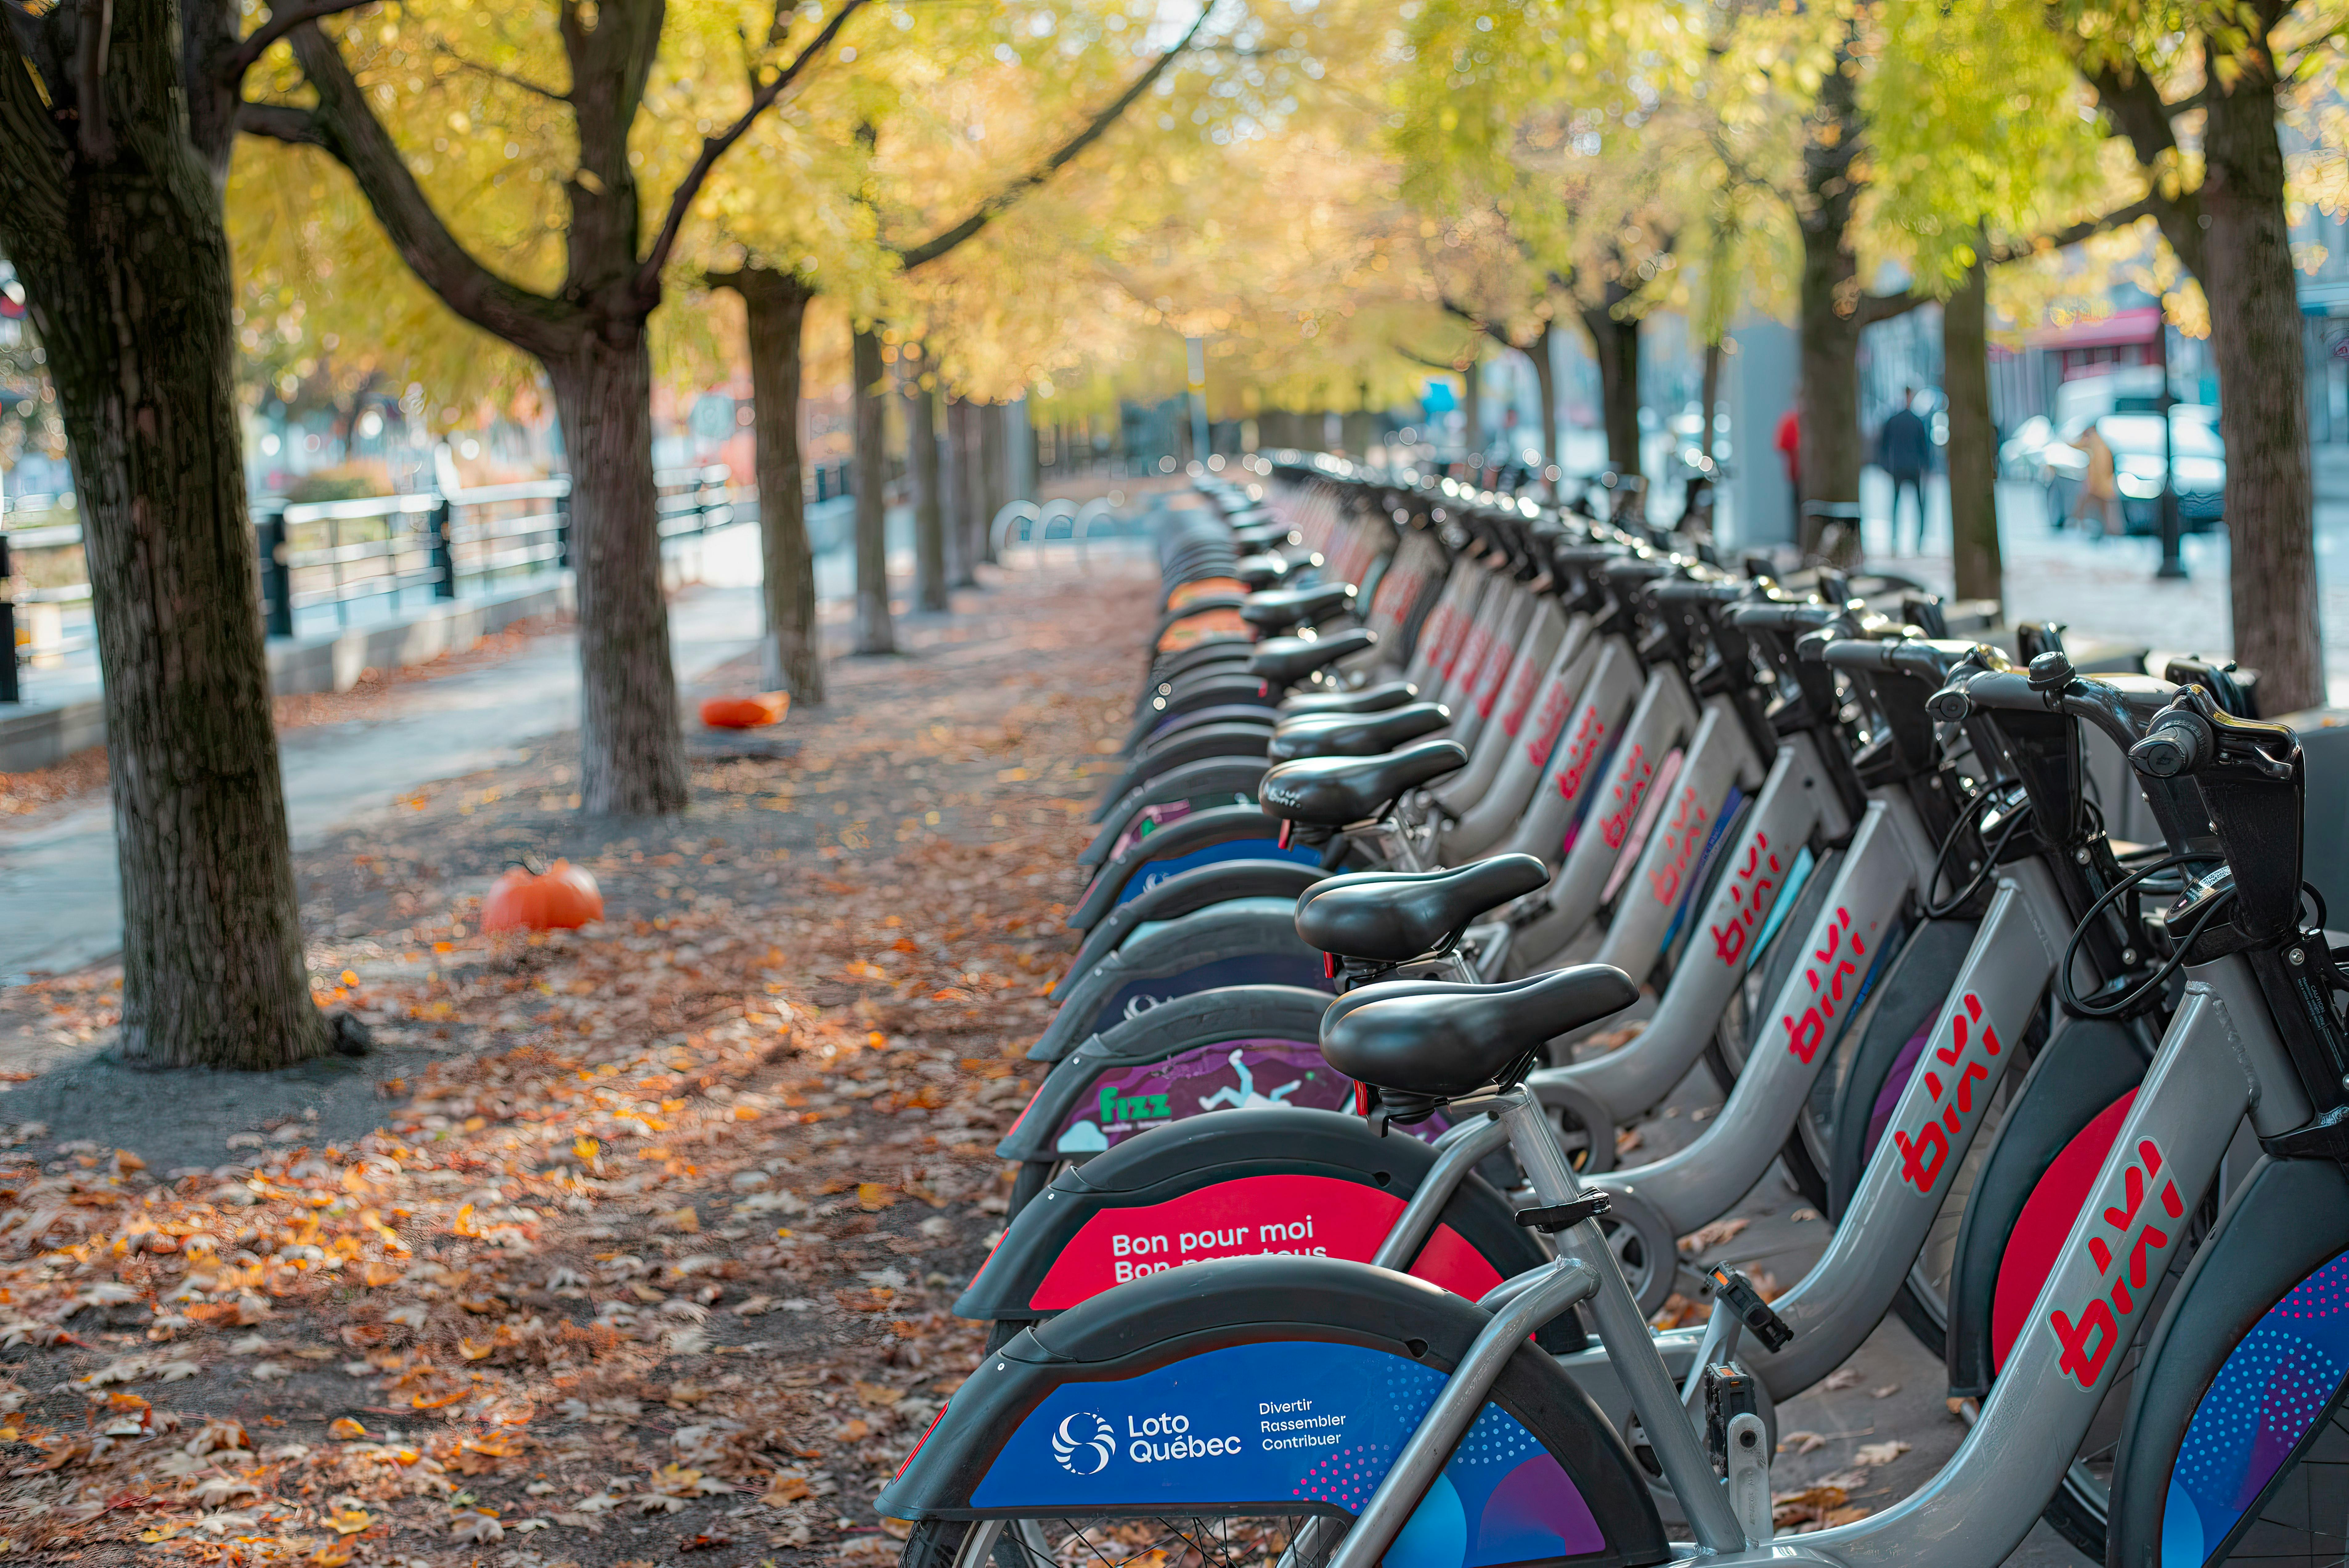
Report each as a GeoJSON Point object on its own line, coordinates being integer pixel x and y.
{"type": "Point", "coordinates": [1246, 942]}
{"type": "Point", "coordinates": [1204, 838]}
{"type": "Point", "coordinates": [1235, 1047]}
{"type": "Point", "coordinates": [2008, 1242]}
{"type": "Point", "coordinates": [2242, 1365]}
{"type": "Point", "coordinates": [1286, 1384]}
{"type": "Point", "coordinates": [1280, 1181]}
{"type": "Point", "coordinates": [1186, 893]}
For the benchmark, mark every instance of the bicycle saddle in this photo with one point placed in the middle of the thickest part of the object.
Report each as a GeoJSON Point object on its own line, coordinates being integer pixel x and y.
{"type": "Point", "coordinates": [1444, 1043]}
{"type": "Point", "coordinates": [1262, 536]}
{"type": "Point", "coordinates": [1367, 699]}
{"type": "Point", "coordinates": [1354, 734]}
{"type": "Point", "coordinates": [1281, 607]}
{"type": "Point", "coordinates": [1331, 791]}
{"type": "Point", "coordinates": [1261, 571]}
{"type": "Point", "coordinates": [1284, 661]}
{"type": "Point", "coordinates": [1392, 916]}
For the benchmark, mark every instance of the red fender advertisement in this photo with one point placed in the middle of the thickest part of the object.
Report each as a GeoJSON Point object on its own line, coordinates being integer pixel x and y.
{"type": "Point", "coordinates": [1317, 1216]}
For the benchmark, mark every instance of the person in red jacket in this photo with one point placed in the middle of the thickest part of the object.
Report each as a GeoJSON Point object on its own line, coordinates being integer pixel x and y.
{"type": "Point", "coordinates": [1789, 443]}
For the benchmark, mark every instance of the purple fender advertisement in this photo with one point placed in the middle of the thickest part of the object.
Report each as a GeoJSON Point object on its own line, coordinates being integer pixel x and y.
{"type": "Point", "coordinates": [1279, 1424]}
{"type": "Point", "coordinates": [1230, 1075]}
{"type": "Point", "coordinates": [2279, 1380]}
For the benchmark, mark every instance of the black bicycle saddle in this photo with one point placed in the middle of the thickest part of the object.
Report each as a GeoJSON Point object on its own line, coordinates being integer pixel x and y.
{"type": "Point", "coordinates": [1332, 791]}
{"type": "Point", "coordinates": [1354, 734]}
{"type": "Point", "coordinates": [1284, 661]}
{"type": "Point", "coordinates": [1392, 916]}
{"type": "Point", "coordinates": [1279, 608]}
{"type": "Point", "coordinates": [1445, 1043]}
{"type": "Point", "coordinates": [1363, 699]}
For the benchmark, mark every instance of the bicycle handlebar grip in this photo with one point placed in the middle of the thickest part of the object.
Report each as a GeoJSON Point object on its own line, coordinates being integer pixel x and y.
{"type": "Point", "coordinates": [2176, 746]}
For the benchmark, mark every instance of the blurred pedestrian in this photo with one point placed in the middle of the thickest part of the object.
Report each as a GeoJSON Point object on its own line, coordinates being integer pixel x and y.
{"type": "Point", "coordinates": [1789, 443]}
{"type": "Point", "coordinates": [2098, 490]}
{"type": "Point", "coordinates": [1905, 447]}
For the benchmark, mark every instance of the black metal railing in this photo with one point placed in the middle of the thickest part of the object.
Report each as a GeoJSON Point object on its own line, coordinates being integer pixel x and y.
{"type": "Point", "coordinates": [370, 560]}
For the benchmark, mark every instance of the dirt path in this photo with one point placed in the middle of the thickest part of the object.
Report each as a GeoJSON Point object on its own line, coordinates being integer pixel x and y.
{"type": "Point", "coordinates": [627, 1241]}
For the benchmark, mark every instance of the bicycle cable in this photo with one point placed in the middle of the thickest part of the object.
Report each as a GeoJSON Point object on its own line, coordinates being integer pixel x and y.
{"type": "Point", "coordinates": [2020, 814]}
{"type": "Point", "coordinates": [2128, 1000]}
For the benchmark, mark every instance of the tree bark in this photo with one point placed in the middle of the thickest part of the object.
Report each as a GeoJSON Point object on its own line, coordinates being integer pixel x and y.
{"type": "Point", "coordinates": [953, 497]}
{"type": "Point", "coordinates": [1615, 344]}
{"type": "Point", "coordinates": [971, 493]}
{"type": "Point", "coordinates": [128, 280]}
{"type": "Point", "coordinates": [1709, 392]}
{"type": "Point", "coordinates": [995, 473]}
{"type": "Point", "coordinates": [1829, 299]}
{"type": "Point", "coordinates": [929, 512]}
{"type": "Point", "coordinates": [2256, 339]}
{"type": "Point", "coordinates": [876, 633]}
{"type": "Point", "coordinates": [1546, 389]}
{"type": "Point", "coordinates": [775, 305]}
{"type": "Point", "coordinates": [1471, 408]}
{"type": "Point", "coordinates": [1974, 439]}
{"type": "Point", "coordinates": [631, 747]}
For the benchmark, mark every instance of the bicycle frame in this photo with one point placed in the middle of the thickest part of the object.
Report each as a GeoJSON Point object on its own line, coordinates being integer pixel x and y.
{"type": "Point", "coordinates": [2219, 1058]}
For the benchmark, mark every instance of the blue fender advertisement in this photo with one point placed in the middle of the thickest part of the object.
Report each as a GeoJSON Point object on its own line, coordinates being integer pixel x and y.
{"type": "Point", "coordinates": [1280, 1424]}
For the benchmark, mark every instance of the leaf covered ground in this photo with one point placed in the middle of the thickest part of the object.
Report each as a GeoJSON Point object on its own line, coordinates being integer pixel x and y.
{"type": "Point", "coordinates": [627, 1243]}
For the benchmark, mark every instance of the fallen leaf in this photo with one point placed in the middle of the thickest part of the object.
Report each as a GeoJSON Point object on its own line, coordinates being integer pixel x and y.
{"type": "Point", "coordinates": [474, 1525]}
{"type": "Point", "coordinates": [787, 1489]}
{"type": "Point", "coordinates": [349, 1521]}
{"type": "Point", "coordinates": [1841, 1378]}
{"type": "Point", "coordinates": [344, 1430]}
{"type": "Point", "coordinates": [684, 1219]}
{"type": "Point", "coordinates": [1800, 1442]}
{"type": "Point", "coordinates": [873, 1197]}
{"type": "Point", "coordinates": [1886, 1392]}
{"type": "Point", "coordinates": [1883, 1453]}
{"type": "Point", "coordinates": [1715, 1234]}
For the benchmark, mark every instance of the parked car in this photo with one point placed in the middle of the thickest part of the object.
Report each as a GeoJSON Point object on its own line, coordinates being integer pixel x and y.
{"type": "Point", "coordinates": [2136, 442]}
{"type": "Point", "coordinates": [2019, 456]}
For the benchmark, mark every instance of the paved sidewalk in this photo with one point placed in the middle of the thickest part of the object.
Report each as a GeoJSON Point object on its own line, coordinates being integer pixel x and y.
{"type": "Point", "coordinates": [2105, 588]}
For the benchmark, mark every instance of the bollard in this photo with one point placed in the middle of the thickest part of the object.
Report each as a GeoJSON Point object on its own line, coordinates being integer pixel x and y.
{"type": "Point", "coordinates": [276, 576]}
{"type": "Point", "coordinates": [444, 548]}
{"type": "Point", "coordinates": [9, 690]}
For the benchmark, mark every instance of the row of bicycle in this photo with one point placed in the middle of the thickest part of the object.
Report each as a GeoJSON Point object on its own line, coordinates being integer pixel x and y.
{"type": "Point", "coordinates": [1456, 832]}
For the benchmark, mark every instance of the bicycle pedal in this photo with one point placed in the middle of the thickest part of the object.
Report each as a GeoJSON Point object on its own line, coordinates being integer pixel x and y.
{"type": "Point", "coordinates": [1558, 1217]}
{"type": "Point", "coordinates": [1730, 1287]}
{"type": "Point", "coordinates": [1729, 1393]}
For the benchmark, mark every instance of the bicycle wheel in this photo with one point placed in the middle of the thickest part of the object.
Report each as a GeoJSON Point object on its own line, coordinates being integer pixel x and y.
{"type": "Point", "coordinates": [1226, 1540]}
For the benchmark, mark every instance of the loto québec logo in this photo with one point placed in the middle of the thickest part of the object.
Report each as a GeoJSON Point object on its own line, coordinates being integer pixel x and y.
{"type": "Point", "coordinates": [1084, 1443]}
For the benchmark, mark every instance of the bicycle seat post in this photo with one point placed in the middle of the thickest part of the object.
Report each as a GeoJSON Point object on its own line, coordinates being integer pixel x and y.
{"type": "Point", "coordinates": [1623, 1329]}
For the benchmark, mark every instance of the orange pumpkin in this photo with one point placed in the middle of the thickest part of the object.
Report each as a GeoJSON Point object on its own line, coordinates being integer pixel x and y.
{"type": "Point", "coordinates": [746, 712]}
{"type": "Point", "coordinates": [560, 897]}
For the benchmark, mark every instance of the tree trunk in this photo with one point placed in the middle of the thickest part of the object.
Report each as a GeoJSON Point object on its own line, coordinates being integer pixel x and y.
{"type": "Point", "coordinates": [775, 305]}
{"type": "Point", "coordinates": [1829, 458]}
{"type": "Point", "coordinates": [2256, 339]}
{"type": "Point", "coordinates": [129, 286]}
{"type": "Point", "coordinates": [1974, 439]}
{"type": "Point", "coordinates": [994, 468]}
{"type": "Point", "coordinates": [971, 493]}
{"type": "Point", "coordinates": [874, 633]}
{"type": "Point", "coordinates": [1546, 385]}
{"type": "Point", "coordinates": [954, 500]}
{"type": "Point", "coordinates": [929, 513]}
{"type": "Point", "coordinates": [1472, 410]}
{"type": "Point", "coordinates": [1708, 393]}
{"type": "Point", "coordinates": [631, 747]}
{"type": "Point", "coordinates": [1615, 344]}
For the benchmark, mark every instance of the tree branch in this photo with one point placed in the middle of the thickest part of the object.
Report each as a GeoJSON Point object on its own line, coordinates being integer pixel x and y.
{"type": "Point", "coordinates": [511, 80]}
{"type": "Point", "coordinates": [1450, 366]}
{"type": "Point", "coordinates": [2073, 233]}
{"type": "Point", "coordinates": [279, 122]}
{"type": "Point", "coordinates": [1876, 307]}
{"type": "Point", "coordinates": [283, 20]}
{"type": "Point", "coordinates": [347, 129]}
{"type": "Point", "coordinates": [713, 147]}
{"type": "Point", "coordinates": [1002, 201]}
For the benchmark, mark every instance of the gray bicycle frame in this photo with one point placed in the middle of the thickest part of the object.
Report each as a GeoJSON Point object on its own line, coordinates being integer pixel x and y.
{"type": "Point", "coordinates": [2218, 1059]}
{"type": "Point", "coordinates": [1666, 715]}
{"type": "Point", "coordinates": [1546, 643]}
{"type": "Point", "coordinates": [1482, 624]}
{"type": "Point", "coordinates": [1796, 806]}
{"type": "Point", "coordinates": [1446, 626]}
{"type": "Point", "coordinates": [1890, 857]}
{"type": "Point", "coordinates": [1517, 628]}
{"type": "Point", "coordinates": [1483, 817]}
